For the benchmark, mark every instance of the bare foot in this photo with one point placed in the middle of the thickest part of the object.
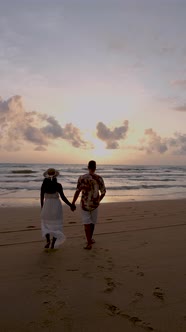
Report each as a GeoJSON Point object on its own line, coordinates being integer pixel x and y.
{"type": "Point", "coordinates": [88, 247]}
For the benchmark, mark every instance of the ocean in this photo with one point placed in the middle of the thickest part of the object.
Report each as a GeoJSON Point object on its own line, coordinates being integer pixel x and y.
{"type": "Point", "coordinates": [20, 183]}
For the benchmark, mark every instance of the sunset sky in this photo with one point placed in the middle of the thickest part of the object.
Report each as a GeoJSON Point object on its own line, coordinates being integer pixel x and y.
{"type": "Point", "coordinates": [93, 79]}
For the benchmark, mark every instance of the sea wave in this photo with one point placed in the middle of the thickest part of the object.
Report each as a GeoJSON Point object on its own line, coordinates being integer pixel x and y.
{"type": "Point", "coordinates": [72, 170]}
{"type": "Point", "coordinates": [16, 177]}
{"type": "Point", "coordinates": [142, 176]}
{"type": "Point", "coordinates": [25, 180]}
{"type": "Point", "coordinates": [23, 171]}
{"type": "Point", "coordinates": [147, 169]}
{"type": "Point", "coordinates": [123, 180]}
{"type": "Point", "coordinates": [144, 186]}
{"type": "Point", "coordinates": [109, 187]}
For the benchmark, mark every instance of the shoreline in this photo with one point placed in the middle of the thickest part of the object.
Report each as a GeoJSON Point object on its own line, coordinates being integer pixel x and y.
{"type": "Point", "coordinates": [34, 202]}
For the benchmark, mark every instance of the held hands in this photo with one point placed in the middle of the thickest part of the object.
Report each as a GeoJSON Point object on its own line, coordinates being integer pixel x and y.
{"type": "Point", "coordinates": [73, 207]}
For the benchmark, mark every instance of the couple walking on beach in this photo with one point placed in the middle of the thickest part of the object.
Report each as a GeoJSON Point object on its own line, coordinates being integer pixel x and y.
{"type": "Point", "coordinates": [92, 189]}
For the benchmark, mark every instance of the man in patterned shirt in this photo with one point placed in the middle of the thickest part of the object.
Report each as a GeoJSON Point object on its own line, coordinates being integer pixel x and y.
{"type": "Point", "coordinates": [90, 185]}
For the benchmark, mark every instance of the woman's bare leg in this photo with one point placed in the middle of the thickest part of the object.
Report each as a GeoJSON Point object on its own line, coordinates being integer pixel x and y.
{"type": "Point", "coordinates": [48, 241]}
{"type": "Point", "coordinates": [53, 242]}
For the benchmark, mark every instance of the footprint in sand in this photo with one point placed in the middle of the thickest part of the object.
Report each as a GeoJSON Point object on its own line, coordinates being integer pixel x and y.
{"type": "Point", "coordinates": [138, 297]}
{"type": "Point", "coordinates": [110, 264]}
{"type": "Point", "coordinates": [109, 260]}
{"type": "Point", "coordinates": [72, 270]}
{"type": "Point", "coordinates": [100, 267]}
{"type": "Point", "coordinates": [115, 311]}
{"type": "Point", "coordinates": [53, 306]}
{"type": "Point", "coordinates": [112, 309]}
{"type": "Point", "coordinates": [144, 243]}
{"type": "Point", "coordinates": [110, 268]}
{"type": "Point", "coordinates": [60, 303]}
{"type": "Point", "coordinates": [50, 268]}
{"type": "Point", "coordinates": [50, 251]}
{"type": "Point", "coordinates": [46, 323]}
{"type": "Point", "coordinates": [110, 285]}
{"type": "Point", "coordinates": [44, 277]}
{"type": "Point", "coordinates": [87, 275]}
{"type": "Point", "coordinates": [135, 319]}
{"type": "Point", "coordinates": [53, 310]}
{"type": "Point", "coordinates": [32, 323]}
{"type": "Point", "coordinates": [141, 274]}
{"type": "Point", "coordinates": [158, 293]}
{"type": "Point", "coordinates": [146, 327]}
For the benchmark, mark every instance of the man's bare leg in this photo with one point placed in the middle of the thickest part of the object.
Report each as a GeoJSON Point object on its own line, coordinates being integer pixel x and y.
{"type": "Point", "coordinates": [88, 236]}
{"type": "Point", "coordinates": [92, 226]}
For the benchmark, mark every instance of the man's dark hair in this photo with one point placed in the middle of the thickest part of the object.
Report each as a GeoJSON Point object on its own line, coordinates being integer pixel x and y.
{"type": "Point", "coordinates": [92, 165]}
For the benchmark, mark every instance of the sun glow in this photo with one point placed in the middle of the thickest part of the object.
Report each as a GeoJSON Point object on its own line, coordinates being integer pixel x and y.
{"type": "Point", "coordinates": [100, 152]}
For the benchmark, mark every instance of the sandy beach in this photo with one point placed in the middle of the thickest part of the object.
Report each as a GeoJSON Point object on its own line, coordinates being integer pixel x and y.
{"type": "Point", "coordinates": [133, 279]}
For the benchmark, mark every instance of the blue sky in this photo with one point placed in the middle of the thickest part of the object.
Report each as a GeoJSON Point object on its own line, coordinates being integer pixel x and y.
{"type": "Point", "coordinates": [90, 62]}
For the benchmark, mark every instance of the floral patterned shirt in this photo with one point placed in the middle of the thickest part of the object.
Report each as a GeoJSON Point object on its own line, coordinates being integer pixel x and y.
{"type": "Point", "coordinates": [89, 185]}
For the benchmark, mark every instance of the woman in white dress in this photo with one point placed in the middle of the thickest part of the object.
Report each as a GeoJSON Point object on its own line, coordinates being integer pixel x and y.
{"type": "Point", "coordinates": [52, 211]}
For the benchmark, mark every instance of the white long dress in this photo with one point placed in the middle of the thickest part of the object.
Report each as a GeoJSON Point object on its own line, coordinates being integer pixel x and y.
{"type": "Point", "coordinates": [52, 218]}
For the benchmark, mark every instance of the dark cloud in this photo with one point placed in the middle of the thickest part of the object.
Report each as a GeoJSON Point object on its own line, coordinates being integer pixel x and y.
{"type": "Point", "coordinates": [111, 137]}
{"type": "Point", "coordinates": [35, 135]}
{"type": "Point", "coordinates": [17, 126]}
{"type": "Point", "coordinates": [53, 128]}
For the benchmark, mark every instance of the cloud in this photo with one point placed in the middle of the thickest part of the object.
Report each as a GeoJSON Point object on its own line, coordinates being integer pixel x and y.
{"type": "Point", "coordinates": [117, 45]}
{"type": "Point", "coordinates": [178, 143]}
{"type": "Point", "coordinates": [40, 148]}
{"type": "Point", "coordinates": [35, 135]}
{"type": "Point", "coordinates": [111, 137]}
{"type": "Point", "coordinates": [181, 108]}
{"type": "Point", "coordinates": [152, 142]}
{"type": "Point", "coordinates": [167, 50]}
{"type": "Point", "coordinates": [53, 128]}
{"type": "Point", "coordinates": [179, 83]}
{"type": "Point", "coordinates": [18, 126]}
{"type": "Point", "coordinates": [72, 134]}
{"type": "Point", "coordinates": [168, 99]}
{"type": "Point", "coordinates": [155, 142]}
{"type": "Point", "coordinates": [172, 100]}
